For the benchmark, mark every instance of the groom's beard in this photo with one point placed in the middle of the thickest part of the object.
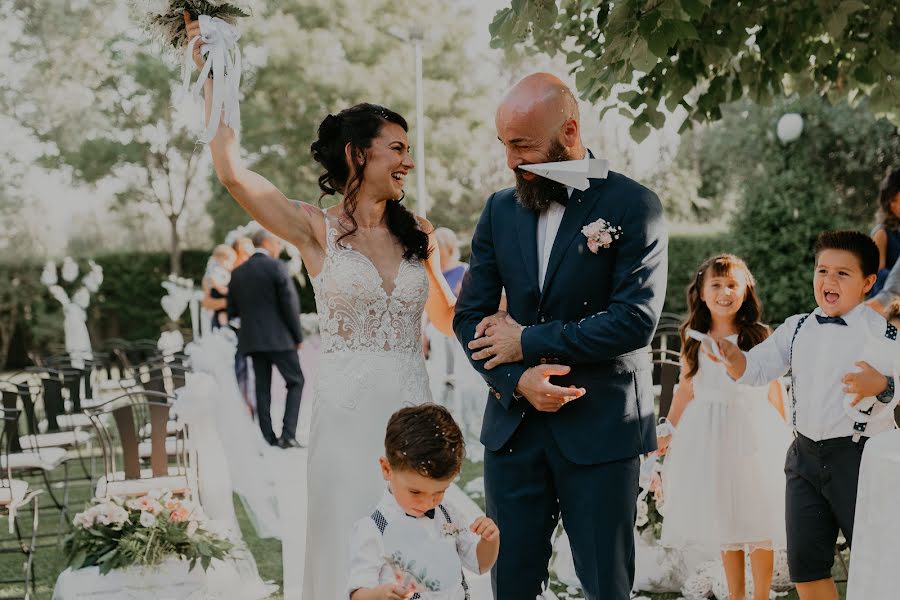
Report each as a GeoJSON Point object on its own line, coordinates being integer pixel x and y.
{"type": "Point", "coordinates": [539, 193]}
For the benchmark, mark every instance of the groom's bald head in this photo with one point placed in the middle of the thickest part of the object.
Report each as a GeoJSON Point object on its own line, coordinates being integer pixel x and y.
{"type": "Point", "coordinates": [543, 99]}
{"type": "Point", "coordinates": [538, 122]}
{"type": "Point", "coordinates": [537, 116]}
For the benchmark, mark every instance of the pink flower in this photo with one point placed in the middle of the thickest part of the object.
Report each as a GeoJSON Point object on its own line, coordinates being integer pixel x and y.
{"type": "Point", "coordinates": [604, 238]}
{"type": "Point", "coordinates": [180, 514]}
{"type": "Point", "coordinates": [593, 245]}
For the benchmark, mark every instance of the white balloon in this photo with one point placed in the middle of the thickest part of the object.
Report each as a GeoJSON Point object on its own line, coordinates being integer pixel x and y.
{"type": "Point", "coordinates": [789, 127]}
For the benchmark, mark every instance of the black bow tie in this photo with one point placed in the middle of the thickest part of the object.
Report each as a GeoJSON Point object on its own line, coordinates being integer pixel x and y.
{"type": "Point", "coordinates": [428, 513]}
{"type": "Point", "coordinates": [833, 320]}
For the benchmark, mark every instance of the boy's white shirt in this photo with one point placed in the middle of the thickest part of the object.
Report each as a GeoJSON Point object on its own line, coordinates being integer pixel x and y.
{"type": "Point", "coordinates": [823, 354]}
{"type": "Point", "coordinates": [368, 568]}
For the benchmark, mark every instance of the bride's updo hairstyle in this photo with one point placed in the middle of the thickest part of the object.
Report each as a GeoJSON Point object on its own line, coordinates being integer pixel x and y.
{"type": "Point", "coordinates": [358, 126]}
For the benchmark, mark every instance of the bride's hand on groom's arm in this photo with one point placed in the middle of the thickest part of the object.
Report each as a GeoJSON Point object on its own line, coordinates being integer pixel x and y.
{"type": "Point", "coordinates": [498, 339]}
{"type": "Point", "coordinates": [535, 386]}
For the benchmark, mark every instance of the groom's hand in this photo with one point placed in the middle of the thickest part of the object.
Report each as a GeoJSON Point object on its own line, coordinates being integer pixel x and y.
{"type": "Point", "coordinates": [535, 386]}
{"type": "Point", "coordinates": [500, 341]}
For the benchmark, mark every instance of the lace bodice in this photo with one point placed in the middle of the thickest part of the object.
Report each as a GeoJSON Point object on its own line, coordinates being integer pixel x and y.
{"type": "Point", "coordinates": [356, 313]}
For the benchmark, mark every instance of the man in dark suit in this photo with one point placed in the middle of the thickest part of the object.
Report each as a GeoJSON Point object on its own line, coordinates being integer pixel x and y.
{"type": "Point", "coordinates": [582, 314]}
{"type": "Point", "coordinates": [262, 294]}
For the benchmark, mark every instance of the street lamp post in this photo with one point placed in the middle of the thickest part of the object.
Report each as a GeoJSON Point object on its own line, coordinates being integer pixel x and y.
{"type": "Point", "coordinates": [416, 36]}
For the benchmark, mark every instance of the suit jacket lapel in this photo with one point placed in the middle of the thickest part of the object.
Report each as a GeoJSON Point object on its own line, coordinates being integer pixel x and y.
{"type": "Point", "coordinates": [577, 210]}
{"type": "Point", "coordinates": [526, 227]}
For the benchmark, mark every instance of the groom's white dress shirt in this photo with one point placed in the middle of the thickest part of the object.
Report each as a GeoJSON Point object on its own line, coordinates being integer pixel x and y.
{"type": "Point", "coordinates": [548, 227]}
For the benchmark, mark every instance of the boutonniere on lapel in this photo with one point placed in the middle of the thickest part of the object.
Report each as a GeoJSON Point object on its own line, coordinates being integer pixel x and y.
{"type": "Point", "coordinates": [600, 234]}
{"type": "Point", "coordinates": [451, 530]}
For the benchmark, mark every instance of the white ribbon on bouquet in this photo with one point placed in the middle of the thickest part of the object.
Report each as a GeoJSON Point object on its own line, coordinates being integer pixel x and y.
{"type": "Point", "coordinates": [223, 57]}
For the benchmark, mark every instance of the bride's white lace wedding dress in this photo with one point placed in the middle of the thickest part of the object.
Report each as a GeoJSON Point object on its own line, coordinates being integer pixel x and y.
{"type": "Point", "coordinates": [371, 365]}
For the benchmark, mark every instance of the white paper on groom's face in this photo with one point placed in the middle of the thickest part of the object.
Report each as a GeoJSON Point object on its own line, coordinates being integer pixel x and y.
{"type": "Point", "coordinates": [573, 173]}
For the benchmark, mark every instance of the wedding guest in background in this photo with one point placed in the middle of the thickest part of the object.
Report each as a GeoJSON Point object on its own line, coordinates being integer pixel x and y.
{"type": "Point", "coordinates": [263, 295]}
{"type": "Point", "coordinates": [243, 247]}
{"type": "Point", "coordinates": [887, 230]}
{"type": "Point", "coordinates": [452, 268]}
{"type": "Point", "coordinates": [215, 283]}
{"type": "Point", "coordinates": [725, 459]}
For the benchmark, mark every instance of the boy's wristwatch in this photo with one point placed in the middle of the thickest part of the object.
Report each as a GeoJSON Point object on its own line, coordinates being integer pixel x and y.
{"type": "Point", "coordinates": [888, 394]}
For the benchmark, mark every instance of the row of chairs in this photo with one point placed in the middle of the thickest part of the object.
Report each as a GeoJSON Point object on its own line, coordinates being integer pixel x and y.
{"type": "Point", "coordinates": [61, 414]}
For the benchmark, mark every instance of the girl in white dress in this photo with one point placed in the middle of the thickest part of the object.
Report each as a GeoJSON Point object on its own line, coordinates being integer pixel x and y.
{"type": "Point", "coordinates": [373, 268]}
{"type": "Point", "coordinates": [723, 478]}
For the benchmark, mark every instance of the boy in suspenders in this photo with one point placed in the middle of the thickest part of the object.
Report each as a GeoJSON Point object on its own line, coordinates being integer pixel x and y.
{"type": "Point", "coordinates": [424, 450]}
{"type": "Point", "coordinates": [822, 350]}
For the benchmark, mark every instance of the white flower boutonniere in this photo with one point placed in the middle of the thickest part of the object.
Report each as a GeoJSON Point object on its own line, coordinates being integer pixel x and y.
{"type": "Point", "coordinates": [452, 530]}
{"type": "Point", "coordinates": [600, 234]}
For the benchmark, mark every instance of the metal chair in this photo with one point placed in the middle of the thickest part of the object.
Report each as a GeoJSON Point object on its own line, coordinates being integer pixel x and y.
{"type": "Point", "coordinates": [14, 495]}
{"type": "Point", "coordinates": [119, 441]}
{"type": "Point", "coordinates": [666, 371]}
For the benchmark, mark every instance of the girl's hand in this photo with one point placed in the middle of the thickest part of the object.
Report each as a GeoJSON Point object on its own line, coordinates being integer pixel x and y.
{"type": "Point", "coordinates": [192, 31]}
{"type": "Point", "coordinates": [486, 528]}
{"type": "Point", "coordinates": [864, 383]}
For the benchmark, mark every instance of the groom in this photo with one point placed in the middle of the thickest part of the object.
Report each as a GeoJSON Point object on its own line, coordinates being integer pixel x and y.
{"type": "Point", "coordinates": [571, 402]}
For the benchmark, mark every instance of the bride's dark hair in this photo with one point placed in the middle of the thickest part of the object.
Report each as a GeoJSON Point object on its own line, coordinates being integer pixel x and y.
{"type": "Point", "coordinates": [358, 126]}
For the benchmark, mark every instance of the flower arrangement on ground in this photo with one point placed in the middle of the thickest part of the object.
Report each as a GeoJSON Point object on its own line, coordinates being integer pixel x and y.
{"type": "Point", "coordinates": [116, 533]}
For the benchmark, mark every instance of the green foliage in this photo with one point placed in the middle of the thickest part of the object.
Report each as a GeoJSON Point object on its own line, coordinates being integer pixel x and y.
{"type": "Point", "coordinates": [775, 229]}
{"type": "Point", "coordinates": [126, 306]}
{"type": "Point", "coordinates": [702, 54]}
{"type": "Point", "coordinates": [849, 148]}
{"type": "Point", "coordinates": [112, 535]}
{"type": "Point", "coordinates": [686, 252]}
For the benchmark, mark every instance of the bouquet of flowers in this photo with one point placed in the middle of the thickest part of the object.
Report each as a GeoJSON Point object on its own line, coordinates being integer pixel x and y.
{"type": "Point", "coordinates": [164, 19]}
{"type": "Point", "coordinates": [116, 533]}
{"type": "Point", "coordinates": [651, 501]}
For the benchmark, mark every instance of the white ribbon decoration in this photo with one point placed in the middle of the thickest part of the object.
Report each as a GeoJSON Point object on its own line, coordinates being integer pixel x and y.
{"type": "Point", "coordinates": [219, 40]}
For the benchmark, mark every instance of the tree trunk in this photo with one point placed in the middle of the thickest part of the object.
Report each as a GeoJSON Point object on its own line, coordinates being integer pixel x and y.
{"type": "Point", "coordinates": [175, 250]}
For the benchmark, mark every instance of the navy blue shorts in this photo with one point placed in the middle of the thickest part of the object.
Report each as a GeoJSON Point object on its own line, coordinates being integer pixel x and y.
{"type": "Point", "coordinates": [820, 500]}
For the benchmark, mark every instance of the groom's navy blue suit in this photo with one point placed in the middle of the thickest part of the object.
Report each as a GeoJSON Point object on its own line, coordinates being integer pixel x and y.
{"type": "Point", "coordinates": [597, 313]}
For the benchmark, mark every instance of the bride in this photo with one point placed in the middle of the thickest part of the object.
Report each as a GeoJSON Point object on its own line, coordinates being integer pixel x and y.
{"type": "Point", "coordinates": [373, 271]}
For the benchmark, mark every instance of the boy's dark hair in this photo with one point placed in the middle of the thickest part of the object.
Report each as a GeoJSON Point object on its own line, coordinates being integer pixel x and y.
{"type": "Point", "coordinates": [854, 242]}
{"type": "Point", "coordinates": [425, 439]}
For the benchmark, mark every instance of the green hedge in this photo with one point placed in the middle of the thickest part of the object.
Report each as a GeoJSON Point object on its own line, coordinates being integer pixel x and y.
{"type": "Point", "coordinates": [126, 306]}
{"type": "Point", "coordinates": [686, 252]}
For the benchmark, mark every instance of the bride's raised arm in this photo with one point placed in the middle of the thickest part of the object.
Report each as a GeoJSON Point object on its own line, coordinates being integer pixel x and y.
{"type": "Point", "coordinates": [291, 220]}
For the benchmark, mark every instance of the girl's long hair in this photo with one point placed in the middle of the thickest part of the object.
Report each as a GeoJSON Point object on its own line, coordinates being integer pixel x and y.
{"type": "Point", "coordinates": [751, 330]}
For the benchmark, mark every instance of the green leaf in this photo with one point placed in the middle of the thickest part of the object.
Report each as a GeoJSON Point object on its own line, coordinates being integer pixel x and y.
{"type": "Point", "coordinates": [694, 8]}
{"type": "Point", "coordinates": [641, 57]}
{"type": "Point", "coordinates": [639, 132]}
{"type": "Point", "coordinates": [685, 30]}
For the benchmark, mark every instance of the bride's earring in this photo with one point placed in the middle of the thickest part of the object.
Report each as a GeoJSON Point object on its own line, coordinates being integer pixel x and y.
{"type": "Point", "coordinates": [402, 196]}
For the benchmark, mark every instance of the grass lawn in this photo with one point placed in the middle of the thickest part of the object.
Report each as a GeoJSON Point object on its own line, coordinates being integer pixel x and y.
{"type": "Point", "coordinates": [49, 560]}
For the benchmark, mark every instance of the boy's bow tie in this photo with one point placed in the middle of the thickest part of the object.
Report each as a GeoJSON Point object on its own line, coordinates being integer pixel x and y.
{"type": "Point", "coordinates": [428, 513]}
{"type": "Point", "coordinates": [833, 320]}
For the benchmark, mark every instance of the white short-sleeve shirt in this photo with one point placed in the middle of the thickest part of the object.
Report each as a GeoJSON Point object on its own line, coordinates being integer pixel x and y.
{"type": "Point", "coordinates": [368, 568]}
